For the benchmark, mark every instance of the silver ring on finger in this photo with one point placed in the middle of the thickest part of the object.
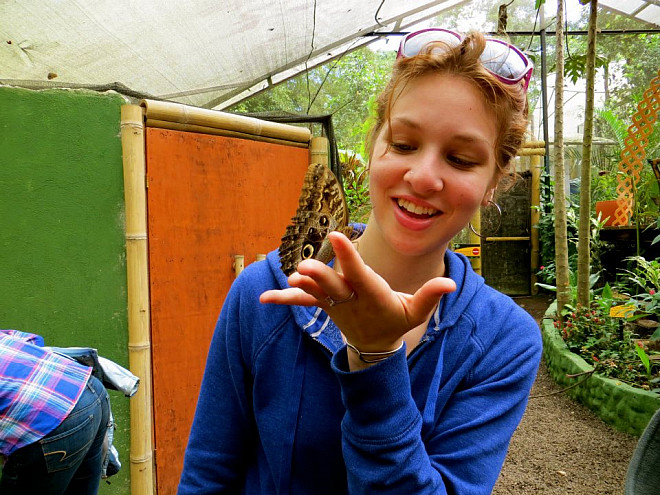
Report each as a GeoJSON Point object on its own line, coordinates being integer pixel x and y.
{"type": "Point", "coordinates": [333, 302]}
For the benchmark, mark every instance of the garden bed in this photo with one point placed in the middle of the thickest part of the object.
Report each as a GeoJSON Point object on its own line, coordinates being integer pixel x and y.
{"type": "Point", "coordinates": [626, 408]}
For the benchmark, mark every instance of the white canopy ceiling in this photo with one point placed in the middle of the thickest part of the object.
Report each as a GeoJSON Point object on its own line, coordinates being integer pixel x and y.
{"type": "Point", "coordinates": [200, 52]}
{"type": "Point", "coordinates": [206, 53]}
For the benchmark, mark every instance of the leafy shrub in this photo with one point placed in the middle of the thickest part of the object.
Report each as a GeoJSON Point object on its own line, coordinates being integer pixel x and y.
{"type": "Point", "coordinates": [356, 186]}
{"type": "Point", "coordinates": [609, 343]}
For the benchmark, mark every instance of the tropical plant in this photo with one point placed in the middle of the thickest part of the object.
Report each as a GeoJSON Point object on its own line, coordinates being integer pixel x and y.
{"type": "Point", "coordinates": [547, 274]}
{"type": "Point", "coordinates": [607, 342]}
{"type": "Point", "coordinates": [356, 185]}
{"type": "Point", "coordinates": [643, 282]}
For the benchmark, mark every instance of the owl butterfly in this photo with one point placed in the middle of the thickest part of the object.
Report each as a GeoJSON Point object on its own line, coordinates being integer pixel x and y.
{"type": "Point", "coordinates": [321, 210]}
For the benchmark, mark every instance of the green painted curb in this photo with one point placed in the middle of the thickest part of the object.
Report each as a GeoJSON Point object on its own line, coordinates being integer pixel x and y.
{"type": "Point", "coordinates": [627, 408]}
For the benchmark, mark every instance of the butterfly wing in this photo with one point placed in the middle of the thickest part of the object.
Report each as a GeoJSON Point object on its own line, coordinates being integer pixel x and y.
{"type": "Point", "coordinates": [321, 209]}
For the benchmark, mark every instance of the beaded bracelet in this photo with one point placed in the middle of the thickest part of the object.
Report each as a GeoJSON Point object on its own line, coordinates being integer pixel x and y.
{"type": "Point", "coordinates": [368, 357]}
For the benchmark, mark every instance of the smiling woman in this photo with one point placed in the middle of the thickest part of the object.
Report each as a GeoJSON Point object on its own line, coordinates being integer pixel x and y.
{"type": "Point", "coordinates": [393, 368]}
{"type": "Point", "coordinates": [437, 158]}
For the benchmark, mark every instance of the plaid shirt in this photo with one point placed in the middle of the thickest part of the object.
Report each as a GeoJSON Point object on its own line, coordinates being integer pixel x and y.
{"type": "Point", "coordinates": [38, 389]}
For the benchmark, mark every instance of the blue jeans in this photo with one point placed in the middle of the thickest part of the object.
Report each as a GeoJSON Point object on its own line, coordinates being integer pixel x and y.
{"type": "Point", "coordinates": [68, 460]}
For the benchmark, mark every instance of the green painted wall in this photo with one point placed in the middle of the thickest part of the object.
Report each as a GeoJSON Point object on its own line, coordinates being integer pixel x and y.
{"type": "Point", "coordinates": [62, 251]}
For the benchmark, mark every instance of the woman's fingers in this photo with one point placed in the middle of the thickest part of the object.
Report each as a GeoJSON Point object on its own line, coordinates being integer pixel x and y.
{"type": "Point", "coordinates": [328, 281]}
{"type": "Point", "coordinates": [427, 296]}
{"type": "Point", "coordinates": [308, 284]}
{"type": "Point", "coordinates": [360, 302]}
{"type": "Point", "coordinates": [352, 266]}
{"type": "Point", "coordinates": [291, 296]}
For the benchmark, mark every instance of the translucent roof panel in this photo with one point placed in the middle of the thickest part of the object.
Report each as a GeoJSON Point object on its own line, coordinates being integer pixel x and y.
{"type": "Point", "coordinates": [642, 10]}
{"type": "Point", "coordinates": [206, 53]}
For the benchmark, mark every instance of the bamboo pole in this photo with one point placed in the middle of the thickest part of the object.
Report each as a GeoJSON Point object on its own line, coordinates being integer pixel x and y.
{"type": "Point", "coordinates": [536, 165]}
{"type": "Point", "coordinates": [239, 264]}
{"type": "Point", "coordinates": [504, 239]}
{"type": "Point", "coordinates": [318, 150]}
{"type": "Point", "coordinates": [534, 144]}
{"type": "Point", "coordinates": [475, 239]}
{"type": "Point", "coordinates": [531, 152]}
{"type": "Point", "coordinates": [139, 341]}
{"type": "Point", "coordinates": [176, 126]}
{"type": "Point", "coordinates": [183, 114]}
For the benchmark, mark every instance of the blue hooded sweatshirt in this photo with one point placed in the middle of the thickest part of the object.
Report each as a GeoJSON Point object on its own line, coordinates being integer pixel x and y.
{"type": "Point", "coordinates": [279, 411]}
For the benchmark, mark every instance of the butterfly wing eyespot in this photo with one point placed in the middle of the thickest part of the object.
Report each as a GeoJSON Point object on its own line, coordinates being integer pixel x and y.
{"type": "Point", "coordinates": [307, 251]}
{"type": "Point", "coordinates": [321, 209]}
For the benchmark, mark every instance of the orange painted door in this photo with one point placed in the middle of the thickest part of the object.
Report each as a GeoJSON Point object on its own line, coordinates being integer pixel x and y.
{"type": "Point", "coordinates": [209, 198]}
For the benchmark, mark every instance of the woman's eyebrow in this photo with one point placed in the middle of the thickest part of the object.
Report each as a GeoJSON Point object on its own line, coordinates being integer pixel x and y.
{"type": "Point", "coordinates": [466, 137]}
{"type": "Point", "coordinates": [405, 121]}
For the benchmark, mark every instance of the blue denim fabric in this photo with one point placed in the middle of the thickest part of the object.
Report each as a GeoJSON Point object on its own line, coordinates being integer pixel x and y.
{"type": "Point", "coordinates": [68, 460]}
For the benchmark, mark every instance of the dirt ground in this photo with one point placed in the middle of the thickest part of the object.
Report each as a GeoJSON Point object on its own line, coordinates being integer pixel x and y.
{"type": "Point", "coordinates": [560, 446]}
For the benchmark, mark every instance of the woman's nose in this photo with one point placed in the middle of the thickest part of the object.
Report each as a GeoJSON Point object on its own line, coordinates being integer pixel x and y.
{"type": "Point", "coordinates": [425, 175]}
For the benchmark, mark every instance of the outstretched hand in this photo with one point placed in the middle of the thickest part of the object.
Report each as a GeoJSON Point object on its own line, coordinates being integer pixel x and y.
{"type": "Point", "coordinates": [372, 316]}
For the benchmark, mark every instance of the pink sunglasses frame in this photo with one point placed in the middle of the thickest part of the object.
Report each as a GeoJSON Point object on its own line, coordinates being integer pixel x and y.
{"type": "Point", "coordinates": [525, 77]}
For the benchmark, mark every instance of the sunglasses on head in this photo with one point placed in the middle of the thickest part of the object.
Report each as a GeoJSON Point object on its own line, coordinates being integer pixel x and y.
{"type": "Point", "coordinates": [503, 60]}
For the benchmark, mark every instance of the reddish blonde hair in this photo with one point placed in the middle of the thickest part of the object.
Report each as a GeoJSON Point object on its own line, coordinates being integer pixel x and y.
{"type": "Point", "coordinates": [508, 102]}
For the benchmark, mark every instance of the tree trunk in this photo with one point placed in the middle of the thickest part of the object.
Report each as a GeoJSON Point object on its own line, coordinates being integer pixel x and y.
{"type": "Point", "coordinates": [561, 241]}
{"type": "Point", "coordinates": [606, 80]}
{"type": "Point", "coordinates": [584, 227]}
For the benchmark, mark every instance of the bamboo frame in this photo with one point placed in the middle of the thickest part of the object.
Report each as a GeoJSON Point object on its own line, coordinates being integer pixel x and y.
{"type": "Point", "coordinates": [212, 119]}
{"type": "Point", "coordinates": [318, 150]}
{"type": "Point", "coordinates": [137, 268]}
{"type": "Point", "coordinates": [173, 116]}
{"type": "Point", "coordinates": [533, 149]}
{"type": "Point", "coordinates": [535, 166]}
{"type": "Point", "coordinates": [177, 126]}
{"type": "Point", "coordinates": [504, 239]}
{"type": "Point", "coordinates": [475, 239]}
{"type": "Point", "coordinates": [531, 152]}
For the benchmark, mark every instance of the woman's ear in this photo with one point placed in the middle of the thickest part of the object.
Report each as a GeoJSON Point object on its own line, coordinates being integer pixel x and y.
{"type": "Point", "coordinates": [488, 196]}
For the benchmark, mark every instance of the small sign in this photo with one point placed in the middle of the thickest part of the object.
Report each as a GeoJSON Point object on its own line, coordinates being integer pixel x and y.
{"type": "Point", "coordinates": [622, 311]}
{"type": "Point", "coordinates": [470, 251]}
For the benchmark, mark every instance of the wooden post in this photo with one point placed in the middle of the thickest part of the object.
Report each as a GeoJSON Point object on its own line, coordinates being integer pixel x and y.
{"type": "Point", "coordinates": [137, 268]}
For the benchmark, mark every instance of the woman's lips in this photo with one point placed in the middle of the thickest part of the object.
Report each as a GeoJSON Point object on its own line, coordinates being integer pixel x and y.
{"type": "Point", "coordinates": [413, 216]}
{"type": "Point", "coordinates": [416, 209]}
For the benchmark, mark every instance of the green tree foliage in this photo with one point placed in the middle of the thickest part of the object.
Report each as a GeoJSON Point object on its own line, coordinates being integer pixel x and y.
{"type": "Point", "coordinates": [627, 61]}
{"type": "Point", "coordinates": [342, 88]}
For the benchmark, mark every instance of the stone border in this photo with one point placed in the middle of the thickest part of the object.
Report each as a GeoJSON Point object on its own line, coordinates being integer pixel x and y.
{"type": "Point", "coordinates": [626, 408]}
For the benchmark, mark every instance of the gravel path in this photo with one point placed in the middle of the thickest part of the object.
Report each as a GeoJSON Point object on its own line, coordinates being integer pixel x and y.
{"type": "Point", "coordinates": [560, 446]}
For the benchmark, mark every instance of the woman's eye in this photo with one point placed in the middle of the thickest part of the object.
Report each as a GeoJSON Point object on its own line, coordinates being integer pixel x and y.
{"type": "Point", "coordinates": [461, 162]}
{"type": "Point", "coordinates": [402, 147]}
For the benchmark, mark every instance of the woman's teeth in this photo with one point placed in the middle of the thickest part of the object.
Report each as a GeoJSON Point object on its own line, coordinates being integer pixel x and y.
{"type": "Point", "coordinates": [417, 209]}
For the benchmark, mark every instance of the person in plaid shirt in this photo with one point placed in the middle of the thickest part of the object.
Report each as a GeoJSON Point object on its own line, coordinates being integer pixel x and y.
{"type": "Point", "coordinates": [53, 419]}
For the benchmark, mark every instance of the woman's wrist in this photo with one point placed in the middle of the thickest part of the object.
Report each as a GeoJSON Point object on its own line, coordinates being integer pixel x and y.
{"type": "Point", "coordinates": [371, 357]}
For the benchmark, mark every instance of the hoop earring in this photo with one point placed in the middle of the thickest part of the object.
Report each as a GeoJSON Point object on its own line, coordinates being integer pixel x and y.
{"type": "Point", "coordinates": [499, 224]}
